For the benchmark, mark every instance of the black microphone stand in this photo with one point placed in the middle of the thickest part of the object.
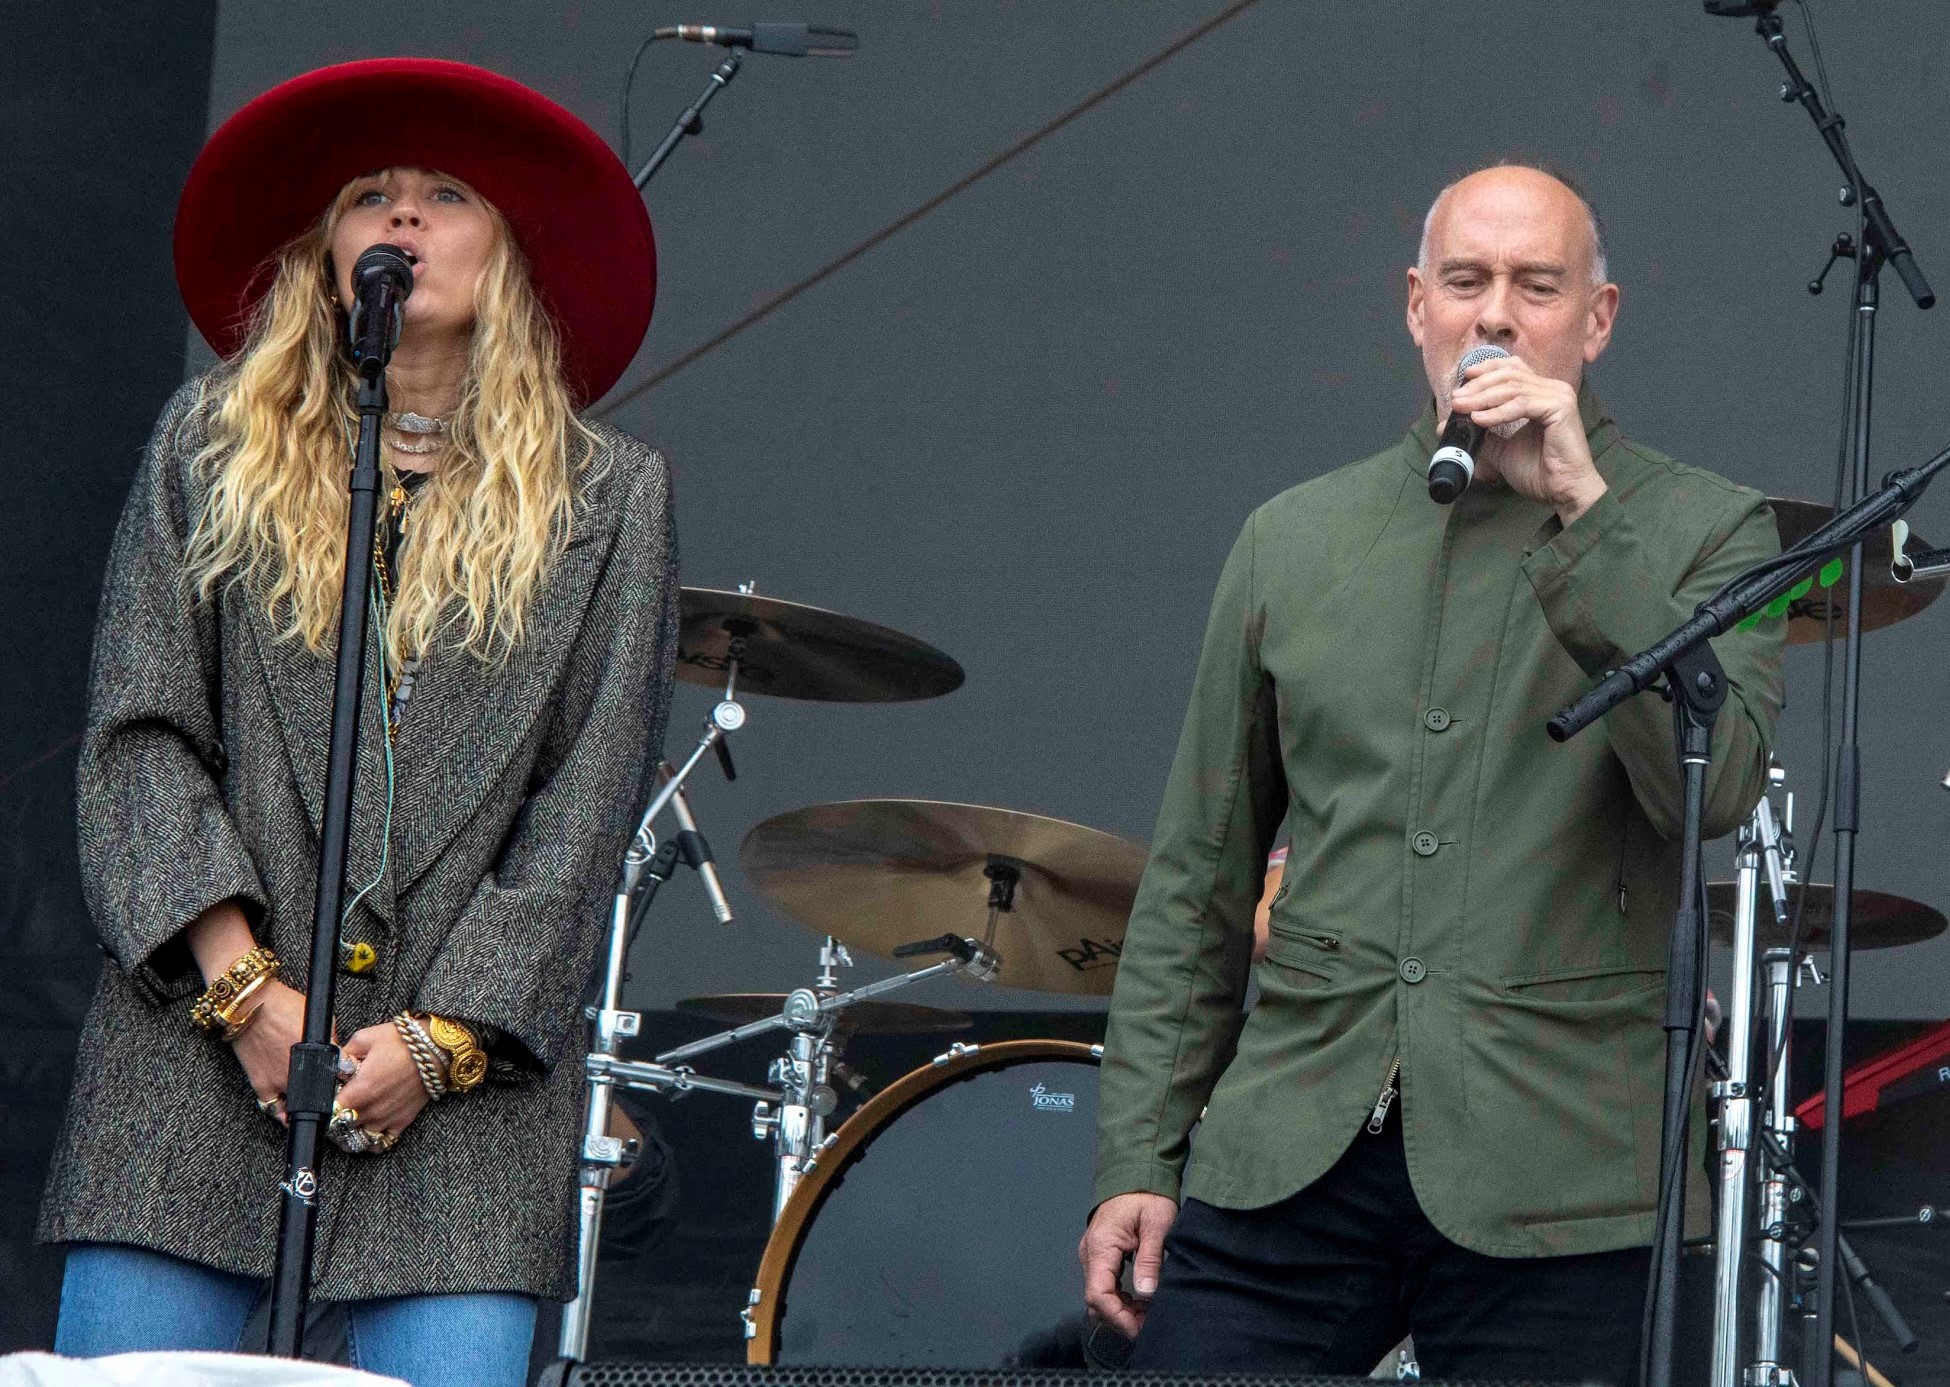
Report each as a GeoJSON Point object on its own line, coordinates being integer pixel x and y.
{"type": "Point", "coordinates": [691, 122]}
{"type": "Point", "coordinates": [1694, 680]}
{"type": "Point", "coordinates": [314, 1060]}
{"type": "Point", "coordinates": [1881, 244]}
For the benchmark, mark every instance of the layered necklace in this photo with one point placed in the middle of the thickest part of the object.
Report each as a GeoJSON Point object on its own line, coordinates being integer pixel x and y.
{"type": "Point", "coordinates": [417, 434]}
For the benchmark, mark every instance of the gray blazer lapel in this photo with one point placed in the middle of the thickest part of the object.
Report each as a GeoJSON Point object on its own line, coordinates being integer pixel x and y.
{"type": "Point", "coordinates": [300, 687]}
{"type": "Point", "coordinates": [465, 719]}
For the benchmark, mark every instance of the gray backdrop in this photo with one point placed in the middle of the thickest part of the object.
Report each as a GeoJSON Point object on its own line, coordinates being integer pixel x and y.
{"type": "Point", "coordinates": [1027, 427]}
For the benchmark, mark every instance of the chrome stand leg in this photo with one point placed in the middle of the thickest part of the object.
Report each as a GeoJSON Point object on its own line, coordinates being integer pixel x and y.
{"type": "Point", "coordinates": [601, 1152]}
{"type": "Point", "coordinates": [1771, 1298]}
{"type": "Point", "coordinates": [1735, 1096]}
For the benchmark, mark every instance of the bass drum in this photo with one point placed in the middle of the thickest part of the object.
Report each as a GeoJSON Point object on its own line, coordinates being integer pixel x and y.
{"type": "Point", "coordinates": [940, 1226]}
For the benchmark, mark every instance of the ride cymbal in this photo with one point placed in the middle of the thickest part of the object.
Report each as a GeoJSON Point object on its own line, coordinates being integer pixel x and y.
{"type": "Point", "coordinates": [1879, 920]}
{"type": "Point", "coordinates": [790, 650]}
{"type": "Point", "coordinates": [879, 873]}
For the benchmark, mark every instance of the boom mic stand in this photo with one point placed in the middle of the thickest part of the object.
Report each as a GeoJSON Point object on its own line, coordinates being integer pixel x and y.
{"type": "Point", "coordinates": [1880, 244]}
{"type": "Point", "coordinates": [314, 1059]}
{"type": "Point", "coordinates": [1694, 679]}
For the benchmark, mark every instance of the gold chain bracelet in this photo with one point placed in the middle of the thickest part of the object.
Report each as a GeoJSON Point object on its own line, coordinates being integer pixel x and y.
{"type": "Point", "coordinates": [208, 1012]}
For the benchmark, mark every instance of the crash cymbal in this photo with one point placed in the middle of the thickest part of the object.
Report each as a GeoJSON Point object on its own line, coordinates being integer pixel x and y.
{"type": "Point", "coordinates": [1880, 921]}
{"type": "Point", "coordinates": [879, 873]}
{"type": "Point", "coordinates": [860, 1018]}
{"type": "Point", "coordinates": [791, 650]}
{"type": "Point", "coordinates": [1884, 600]}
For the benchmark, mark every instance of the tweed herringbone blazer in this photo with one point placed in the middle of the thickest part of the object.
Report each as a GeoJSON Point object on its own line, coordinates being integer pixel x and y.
{"type": "Point", "coordinates": [202, 779]}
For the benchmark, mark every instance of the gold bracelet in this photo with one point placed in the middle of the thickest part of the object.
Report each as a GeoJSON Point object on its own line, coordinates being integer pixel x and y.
{"type": "Point", "coordinates": [207, 1011]}
{"type": "Point", "coordinates": [467, 1062]}
{"type": "Point", "coordinates": [233, 1024]}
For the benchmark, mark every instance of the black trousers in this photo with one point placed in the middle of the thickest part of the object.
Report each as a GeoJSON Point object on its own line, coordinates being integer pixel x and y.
{"type": "Point", "coordinates": [1330, 1279]}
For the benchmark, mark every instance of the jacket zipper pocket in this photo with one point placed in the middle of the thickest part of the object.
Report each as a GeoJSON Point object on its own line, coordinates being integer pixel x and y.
{"type": "Point", "coordinates": [1379, 1117]}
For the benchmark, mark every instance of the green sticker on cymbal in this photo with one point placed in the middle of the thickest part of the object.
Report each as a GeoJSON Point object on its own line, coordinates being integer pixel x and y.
{"type": "Point", "coordinates": [1831, 572]}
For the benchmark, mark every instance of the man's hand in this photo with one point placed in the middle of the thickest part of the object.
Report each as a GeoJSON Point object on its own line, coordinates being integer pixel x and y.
{"type": "Point", "coordinates": [1123, 1225]}
{"type": "Point", "coordinates": [386, 1091]}
{"type": "Point", "coordinates": [1550, 462]}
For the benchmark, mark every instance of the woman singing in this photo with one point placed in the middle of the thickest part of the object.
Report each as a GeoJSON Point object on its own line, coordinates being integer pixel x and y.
{"type": "Point", "coordinates": [524, 620]}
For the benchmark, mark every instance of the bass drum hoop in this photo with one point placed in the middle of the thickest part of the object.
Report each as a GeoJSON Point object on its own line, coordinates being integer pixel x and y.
{"type": "Point", "coordinates": [847, 1144]}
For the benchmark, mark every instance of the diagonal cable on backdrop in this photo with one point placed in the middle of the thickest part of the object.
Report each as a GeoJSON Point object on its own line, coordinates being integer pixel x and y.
{"type": "Point", "coordinates": [907, 219]}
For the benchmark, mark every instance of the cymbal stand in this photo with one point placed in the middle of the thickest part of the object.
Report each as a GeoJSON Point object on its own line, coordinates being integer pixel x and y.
{"type": "Point", "coordinates": [646, 866]}
{"type": "Point", "coordinates": [1761, 850]}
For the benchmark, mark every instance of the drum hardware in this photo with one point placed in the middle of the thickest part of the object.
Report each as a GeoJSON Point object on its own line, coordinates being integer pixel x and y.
{"type": "Point", "coordinates": [1765, 851]}
{"type": "Point", "coordinates": [787, 650]}
{"type": "Point", "coordinates": [794, 1117]}
{"type": "Point", "coordinates": [646, 867]}
{"type": "Point", "coordinates": [1906, 567]}
{"type": "Point", "coordinates": [1889, 594]}
{"type": "Point", "coordinates": [1762, 1198]}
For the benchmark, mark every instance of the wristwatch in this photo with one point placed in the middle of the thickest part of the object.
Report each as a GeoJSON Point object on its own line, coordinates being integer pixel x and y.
{"type": "Point", "coordinates": [467, 1062]}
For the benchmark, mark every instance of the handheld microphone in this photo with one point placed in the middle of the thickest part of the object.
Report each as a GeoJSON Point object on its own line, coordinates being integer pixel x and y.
{"type": "Point", "coordinates": [1452, 467]}
{"type": "Point", "coordinates": [382, 280]}
{"type": "Point", "coordinates": [786, 40]}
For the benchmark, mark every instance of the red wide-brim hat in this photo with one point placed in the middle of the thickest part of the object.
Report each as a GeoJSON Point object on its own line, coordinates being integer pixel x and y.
{"type": "Point", "coordinates": [273, 168]}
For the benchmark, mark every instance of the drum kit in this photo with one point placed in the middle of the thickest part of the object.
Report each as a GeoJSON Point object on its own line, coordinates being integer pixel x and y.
{"type": "Point", "coordinates": [946, 890]}
{"type": "Point", "coordinates": [990, 1146]}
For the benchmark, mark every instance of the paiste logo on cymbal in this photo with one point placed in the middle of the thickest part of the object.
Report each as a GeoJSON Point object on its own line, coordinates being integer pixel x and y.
{"type": "Point", "coordinates": [1092, 954]}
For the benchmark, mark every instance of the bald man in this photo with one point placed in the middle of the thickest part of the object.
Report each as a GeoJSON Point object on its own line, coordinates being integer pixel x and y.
{"type": "Point", "coordinates": [1443, 1113]}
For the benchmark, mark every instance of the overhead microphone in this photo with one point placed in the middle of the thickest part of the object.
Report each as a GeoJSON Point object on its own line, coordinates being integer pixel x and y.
{"type": "Point", "coordinates": [382, 280]}
{"type": "Point", "coordinates": [786, 40]}
{"type": "Point", "coordinates": [1452, 467]}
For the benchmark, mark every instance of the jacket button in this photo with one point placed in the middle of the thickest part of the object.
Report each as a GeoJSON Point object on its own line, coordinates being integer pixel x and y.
{"type": "Point", "coordinates": [1437, 719]}
{"type": "Point", "coordinates": [1413, 969]}
{"type": "Point", "coordinates": [1424, 844]}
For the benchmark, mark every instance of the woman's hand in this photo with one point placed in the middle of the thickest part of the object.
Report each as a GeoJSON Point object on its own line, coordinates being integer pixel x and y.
{"type": "Point", "coordinates": [386, 1091]}
{"type": "Point", "coordinates": [264, 1049]}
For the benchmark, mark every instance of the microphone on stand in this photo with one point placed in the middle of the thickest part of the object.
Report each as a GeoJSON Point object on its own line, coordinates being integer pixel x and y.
{"type": "Point", "coordinates": [382, 280]}
{"type": "Point", "coordinates": [786, 40]}
{"type": "Point", "coordinates": [1453, 466]}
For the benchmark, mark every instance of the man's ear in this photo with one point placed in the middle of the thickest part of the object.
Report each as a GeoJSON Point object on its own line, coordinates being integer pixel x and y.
{"type": "Point", "coordinates": [1415, 304]}
{"type": "Point", "coordinates": [1602, 313]}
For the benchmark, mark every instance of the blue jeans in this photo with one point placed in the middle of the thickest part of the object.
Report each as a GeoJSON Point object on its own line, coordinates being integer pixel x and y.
{"type": "Point", "coordinates": [117, 1299]}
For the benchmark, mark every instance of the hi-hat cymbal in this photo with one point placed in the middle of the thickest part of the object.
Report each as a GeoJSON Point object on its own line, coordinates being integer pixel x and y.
{"type": "Point", "coordinates": [791, 650]}
{"type": "Point", "coordinates": [859, 1018]}
{"type": "Point", "coordinates": [1879, 920]}
{"type": "Point", "coordinates": [1884, 600]}
{"type": "Point", "coordinates": [879, 873]}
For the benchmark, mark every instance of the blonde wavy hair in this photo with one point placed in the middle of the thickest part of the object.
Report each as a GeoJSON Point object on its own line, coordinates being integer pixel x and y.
{"type": "Point", "coordinates": [485, 527]}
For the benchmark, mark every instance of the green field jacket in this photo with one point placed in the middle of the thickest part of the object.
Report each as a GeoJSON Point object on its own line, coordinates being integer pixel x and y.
{"type": "Point", "coordinates": [1463, 894]}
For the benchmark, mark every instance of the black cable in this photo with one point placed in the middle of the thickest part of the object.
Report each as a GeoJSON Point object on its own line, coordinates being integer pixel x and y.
{"type": "Point", "coordinates": [629, 81]}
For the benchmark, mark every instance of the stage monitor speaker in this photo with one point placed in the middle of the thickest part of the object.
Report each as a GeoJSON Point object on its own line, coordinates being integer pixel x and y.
{"type": "Point", "coordinates": [743, 1375]}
